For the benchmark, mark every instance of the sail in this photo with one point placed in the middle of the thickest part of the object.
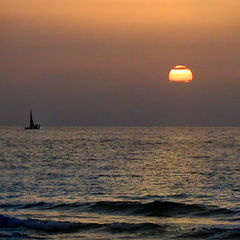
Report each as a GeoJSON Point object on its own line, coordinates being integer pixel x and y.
{"type": "Point", "coordinates": [32, 125]}
{"type": "Point", "coordinates": [31, 120]}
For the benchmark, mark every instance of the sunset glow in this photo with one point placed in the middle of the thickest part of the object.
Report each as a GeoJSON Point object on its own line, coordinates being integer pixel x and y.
{"type": "Point", "coordinates": [180, 73]}
{"type": "Point", "coordinates": [115, 62]}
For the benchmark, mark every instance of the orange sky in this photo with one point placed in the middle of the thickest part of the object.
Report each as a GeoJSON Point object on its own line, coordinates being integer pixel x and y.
{"type": "Point", "coordinates": [125, 13]}
{"type": "Point", "coordinates": [102, 46]}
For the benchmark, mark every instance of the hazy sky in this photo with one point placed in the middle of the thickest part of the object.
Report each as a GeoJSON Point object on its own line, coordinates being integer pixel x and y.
{"type": "Point", "coordinates": [106, 62]}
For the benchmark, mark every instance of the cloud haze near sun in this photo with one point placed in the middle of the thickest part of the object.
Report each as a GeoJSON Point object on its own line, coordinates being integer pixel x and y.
{"type": "Point", "coordinates": [106, 62]}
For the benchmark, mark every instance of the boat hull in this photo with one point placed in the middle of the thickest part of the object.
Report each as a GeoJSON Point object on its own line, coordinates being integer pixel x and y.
{"type": "Point", "coordinates": [36, 127]}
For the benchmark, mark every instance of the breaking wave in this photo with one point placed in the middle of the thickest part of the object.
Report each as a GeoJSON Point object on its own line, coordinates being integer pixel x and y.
{"type": "Point", "coordinates": [60, 226]}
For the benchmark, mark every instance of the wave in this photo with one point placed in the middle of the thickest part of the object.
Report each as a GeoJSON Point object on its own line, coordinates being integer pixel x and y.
{"type": "Point", "coordinates": [161, 209]}
{"type": "Point", "coordinates": [154, 208]}
{"type": "Point", "coordinates": [212, 233]}
{"type": "Point", "coordinates": [17, 226]}
{"type": "Point", "coordinates": [60, 226]}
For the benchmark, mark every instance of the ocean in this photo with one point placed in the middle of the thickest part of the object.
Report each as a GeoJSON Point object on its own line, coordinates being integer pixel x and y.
{"type": "Point", "coordinates": [120, 183]}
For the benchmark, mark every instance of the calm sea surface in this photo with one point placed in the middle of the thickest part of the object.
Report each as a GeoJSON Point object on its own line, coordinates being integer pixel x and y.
{"type": "Point", "coordinates": [120, 183]}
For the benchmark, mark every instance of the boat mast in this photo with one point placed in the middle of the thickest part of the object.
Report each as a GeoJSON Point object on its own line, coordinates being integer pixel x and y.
{"type": "Point", "coordinates": [31, 120]}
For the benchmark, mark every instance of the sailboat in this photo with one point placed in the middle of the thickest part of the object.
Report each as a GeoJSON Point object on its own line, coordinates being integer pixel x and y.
{"type": "Point", "coordinates": [32, 125]}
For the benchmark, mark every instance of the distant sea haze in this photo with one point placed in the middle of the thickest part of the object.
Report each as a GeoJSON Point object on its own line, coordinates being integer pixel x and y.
{"type": "Point", "coordinates": [119, 183]}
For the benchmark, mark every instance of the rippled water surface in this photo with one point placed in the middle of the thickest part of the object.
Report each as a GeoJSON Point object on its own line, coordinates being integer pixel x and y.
{"type": "Point", "coordinates": [120, 183]}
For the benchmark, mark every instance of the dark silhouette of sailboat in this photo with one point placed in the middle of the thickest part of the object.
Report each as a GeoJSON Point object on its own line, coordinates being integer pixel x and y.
{"type": "Point", "coordinates": [32, 125]}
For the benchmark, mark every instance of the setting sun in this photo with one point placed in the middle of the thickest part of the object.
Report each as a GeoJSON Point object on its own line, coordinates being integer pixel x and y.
{"type": "Point", "coordinates": [180, 73]}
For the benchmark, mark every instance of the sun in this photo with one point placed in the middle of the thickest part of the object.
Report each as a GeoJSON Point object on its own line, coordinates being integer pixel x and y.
{"type": "Point", "coordinates": [180, 73]}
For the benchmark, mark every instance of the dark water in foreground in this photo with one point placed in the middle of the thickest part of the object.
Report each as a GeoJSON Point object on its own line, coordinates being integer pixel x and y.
{"type": "Point", "coordinates": [120, 183]}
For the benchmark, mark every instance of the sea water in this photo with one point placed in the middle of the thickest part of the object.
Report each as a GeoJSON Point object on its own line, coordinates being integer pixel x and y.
{"type": "Point", "coordinates": [120, 183]}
